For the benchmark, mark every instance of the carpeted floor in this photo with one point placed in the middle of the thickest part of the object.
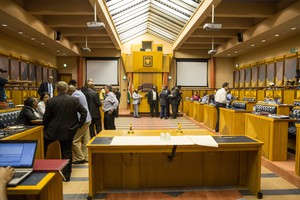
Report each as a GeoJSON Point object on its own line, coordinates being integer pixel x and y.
{"type": "Point", "coordinates": [146, 123]}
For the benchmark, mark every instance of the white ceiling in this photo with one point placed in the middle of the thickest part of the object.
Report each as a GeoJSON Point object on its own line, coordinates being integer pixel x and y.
{"type": "Point", "coordinates": [179, 22]}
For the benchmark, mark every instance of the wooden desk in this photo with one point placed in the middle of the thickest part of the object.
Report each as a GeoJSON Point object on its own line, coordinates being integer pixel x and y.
{"type": "Point", "coordinates": [198, 111]}
{"type": "Point", "coordinates": [297, 156]}
{"type": "Point", "coordinates": [49, 188]}
{"type": "Point", "coordinates": [35, 133]}
{"type": "Point", "coordinates": [250, 105]}
{"type": "Point", "coordinates": [273, 132]}
{"type": "Point", "coordinates": [188, 108]}
{"type": "Point", "coordinates": [124, 167]}
{"type": "Point", "coordinates": [284, 109]}
{"type": "Point", "coordinates": [210, 116]}
{"type": "Point", "coordinates": [144, 107]}
{"type": "Point", "coordinates": [232, 122]}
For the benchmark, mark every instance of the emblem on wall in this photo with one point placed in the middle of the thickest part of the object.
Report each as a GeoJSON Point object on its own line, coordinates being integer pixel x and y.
{"type": "Point", "coordinates": [148, 61]}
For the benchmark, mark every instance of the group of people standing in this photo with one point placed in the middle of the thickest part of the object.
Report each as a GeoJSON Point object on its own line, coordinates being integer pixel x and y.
{"type": "Point", "coordinates": [72, 117]}
{"type": "Point", "coordinates": [154, 99]}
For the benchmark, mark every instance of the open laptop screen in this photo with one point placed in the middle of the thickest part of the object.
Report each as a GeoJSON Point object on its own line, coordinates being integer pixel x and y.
{"type": "Point", "coordinates": [17, 153]}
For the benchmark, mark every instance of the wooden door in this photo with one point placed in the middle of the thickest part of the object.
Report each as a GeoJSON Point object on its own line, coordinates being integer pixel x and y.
{"type": "Point", "coordinates": [65, 77]}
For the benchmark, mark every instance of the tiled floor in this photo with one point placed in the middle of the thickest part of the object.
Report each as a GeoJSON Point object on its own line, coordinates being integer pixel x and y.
{"type": "Point", "coordinates": [273, 187]}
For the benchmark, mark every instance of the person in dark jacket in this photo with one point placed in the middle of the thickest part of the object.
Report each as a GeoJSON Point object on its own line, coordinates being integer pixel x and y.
{"type": "Point", "coordinates": [47, 87]}
{"type": "Point", "coordinates": [153, 101]}
{"type": "Point", "coordinates": [175, 98]}
{"type": "Point", "coordinates": [163, 100]}
{"type": "Point", "coordinates": [94, 103]}
{"type": "Point", "coordinates": [28, 112]}
{"type": "Point", "coordinates": [61, 123]}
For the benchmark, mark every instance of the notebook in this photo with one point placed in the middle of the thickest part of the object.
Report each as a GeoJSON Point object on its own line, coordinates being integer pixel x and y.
{"type": "Point", "coordinates": [18, 154]}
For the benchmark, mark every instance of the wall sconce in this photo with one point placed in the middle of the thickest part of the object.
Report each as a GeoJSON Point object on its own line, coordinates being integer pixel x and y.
{"type": "Point", "coordinates": [124, 78]}
{"type": "Point", "coordinates": [65, 65]}
{"type": "Point", "coordinates": [236, 65]}
{"type": "Point", "coordinates": [169, 78]}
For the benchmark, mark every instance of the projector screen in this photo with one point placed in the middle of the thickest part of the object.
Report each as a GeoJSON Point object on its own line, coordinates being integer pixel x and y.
{"type": "Point", "coordinates": [103, 72]}
{"type": "Point", "coordinates": [192, 73]}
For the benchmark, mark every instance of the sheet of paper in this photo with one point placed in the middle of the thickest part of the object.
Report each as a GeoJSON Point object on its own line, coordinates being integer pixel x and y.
{"type": "Point", "coordinates": [203, 140]}
{"type": "Point", "coordinates": [151, 140]}
{"type": "Point", "coordinates": [136, 140]}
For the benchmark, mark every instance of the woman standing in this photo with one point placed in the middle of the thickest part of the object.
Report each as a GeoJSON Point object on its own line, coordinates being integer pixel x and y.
{"type": "Point", "coordinates": [136, 101]}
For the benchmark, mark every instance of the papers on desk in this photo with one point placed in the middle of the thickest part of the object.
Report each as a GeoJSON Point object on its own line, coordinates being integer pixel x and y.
{"type": "Point", "coordinates": [203, 140]}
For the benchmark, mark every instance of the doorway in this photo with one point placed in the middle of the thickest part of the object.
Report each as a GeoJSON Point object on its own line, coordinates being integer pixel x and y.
{"type": "Point", "coordinates": [65, 77]}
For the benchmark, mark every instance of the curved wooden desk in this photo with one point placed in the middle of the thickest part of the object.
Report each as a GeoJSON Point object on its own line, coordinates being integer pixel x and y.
{"type": "Point", "coordinates": [273, 132]}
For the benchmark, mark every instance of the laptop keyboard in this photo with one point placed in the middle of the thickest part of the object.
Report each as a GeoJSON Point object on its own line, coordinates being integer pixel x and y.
{"type": "Point", "coordinates": [19, 174]}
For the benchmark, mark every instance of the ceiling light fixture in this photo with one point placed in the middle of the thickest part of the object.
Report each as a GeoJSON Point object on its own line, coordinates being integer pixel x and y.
{"type": "Point", "coordinates": [276, 35]}
{"type": "Point", "coordinates": [294, 28]}
{"type": "Point", "coordinates": [42, 43]}
{"type": "Point", "coordinates": [21, 33]}
{"type": "Point", "coordinates": [235, 52]}
{"type": "Point", "coordinates": [32, 38]}
{"type": "Point", "coordinates": [229, 54]}
{"type": "Point", "coordinates": [252, 45]}
{"type": "Point", "coordinates": [263, 41]}
{"type": "Point", "coordinates": [5, 25]}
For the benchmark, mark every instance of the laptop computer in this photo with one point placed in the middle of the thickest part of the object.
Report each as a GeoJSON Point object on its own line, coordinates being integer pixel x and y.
{"type": "Point", "coordinates": [18, 154]}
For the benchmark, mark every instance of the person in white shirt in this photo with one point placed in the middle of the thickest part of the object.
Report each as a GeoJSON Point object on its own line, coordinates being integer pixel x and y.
{"type": "Point", "coordinates": [42, 104]}
{"type": "Point", "coordinates": [220, 100]}
{"type": "Point", "coordinates": [135, 102]}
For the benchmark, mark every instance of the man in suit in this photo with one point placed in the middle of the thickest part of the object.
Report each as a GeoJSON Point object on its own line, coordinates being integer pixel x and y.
{"type": "Point", "coordinates": [118, 96]}
{"type": "Point", "coordinates": [47, 87]}
{"type": "Point", "coordinates": [163, 100]}
{"type": "Point", "coordinates": [175, 98]}
{"type": "Point", "coordinates": [94, 103]}
{"type": "Point", "coordinates": [61, 123]}
{"type": "Point", "coordinates": [153, 101]}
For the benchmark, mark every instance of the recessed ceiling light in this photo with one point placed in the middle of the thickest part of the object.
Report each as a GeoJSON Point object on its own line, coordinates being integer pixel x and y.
{"type": "Point", "coordinates": [276, 35]}
{"type": "Point", "coordinates": [229, 54]}
{"type": "Point", "coordinates": [57, 51]}
{"type": "Point", "coordinates": [294, 28]}
{"type": "Point", "coordinates": [252, 45]}
{"type": "Point", "coordinates": [42, 43]}
{"type": "Point", "coordinates": [4, 25]}
{"type": "Point", "coordinates": [63, 53]}
{"type": "Point", "coordinates": [21, 33]}
{"type": "Point", "coordinates": [32, 38]}
{"type": "Point", "coordinates": [235, 52]}
{"type": "Point", "coordinates": [263, 41]}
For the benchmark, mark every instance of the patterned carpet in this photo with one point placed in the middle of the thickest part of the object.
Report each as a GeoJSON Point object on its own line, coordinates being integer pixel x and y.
{"type": "Point", "coordinates": [146, 123]}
